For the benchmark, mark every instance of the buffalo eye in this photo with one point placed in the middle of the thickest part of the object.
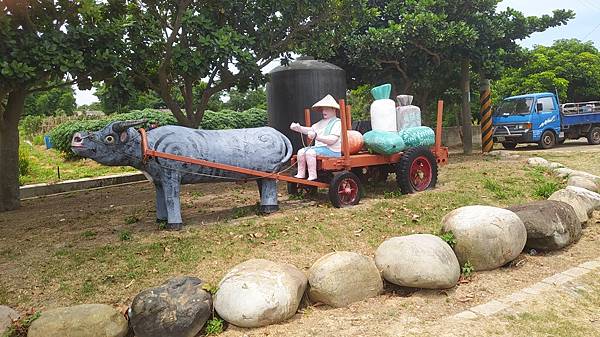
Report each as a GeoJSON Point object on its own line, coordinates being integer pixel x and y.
{"type": "Point", "coordinates": [109, 139]}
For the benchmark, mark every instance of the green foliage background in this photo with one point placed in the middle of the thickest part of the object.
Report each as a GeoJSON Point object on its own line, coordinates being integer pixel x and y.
{"type": "Point", "coordinates": [224, 119]}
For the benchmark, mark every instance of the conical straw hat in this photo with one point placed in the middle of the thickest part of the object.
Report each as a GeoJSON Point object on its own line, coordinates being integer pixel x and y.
{"type": "Point", "coordinates": [327, 102]}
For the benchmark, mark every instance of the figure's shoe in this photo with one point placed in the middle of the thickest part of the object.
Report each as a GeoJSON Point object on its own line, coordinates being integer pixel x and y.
{"type": "Point", "coordinates": [300, 176]}
{"type": "Point", "coordinates": [312, 178]}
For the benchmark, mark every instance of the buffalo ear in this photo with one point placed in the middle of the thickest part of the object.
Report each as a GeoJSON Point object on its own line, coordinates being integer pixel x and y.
{"type": "Point", "coordinates": [124, 137]}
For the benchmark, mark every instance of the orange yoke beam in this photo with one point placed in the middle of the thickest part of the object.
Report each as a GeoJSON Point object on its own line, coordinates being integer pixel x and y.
{"type": "Point", "coordinates": [147, 153]}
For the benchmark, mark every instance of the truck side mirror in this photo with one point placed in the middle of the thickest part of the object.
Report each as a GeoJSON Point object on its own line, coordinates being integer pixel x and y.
{"type": "Point", "coordinates": [539, 107]}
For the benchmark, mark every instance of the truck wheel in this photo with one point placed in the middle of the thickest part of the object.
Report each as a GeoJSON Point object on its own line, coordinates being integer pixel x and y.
{"type": "Point", "coordinates": [594, 136]}
{"type": "Point", "coordinates": [417, 170]}
{"type": "Point", "coordinates": [548, 140]}
{"type": "Point", "coordinates": [509, 145]}
{"type": "Point", "coordinates": [345, 189]}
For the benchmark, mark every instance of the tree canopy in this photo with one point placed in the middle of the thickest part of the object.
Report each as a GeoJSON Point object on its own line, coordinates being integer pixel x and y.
{"type": "Point", "coordinates": [418, 45]}
{"type": "Point", "coordinates": [570, 67]}
{"type": "Point", "coordinates": [54, 102]}
{"type": "Point", "coordinates": [47, 44]}
{"type": "Point", "coordinates": [195, 49]}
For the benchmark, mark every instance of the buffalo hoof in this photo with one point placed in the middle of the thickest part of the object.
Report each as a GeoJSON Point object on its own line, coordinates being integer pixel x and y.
{"type": "Point", "coordinates": [174, 226]}
{"type": "Point", "coordinates": [268, 209]}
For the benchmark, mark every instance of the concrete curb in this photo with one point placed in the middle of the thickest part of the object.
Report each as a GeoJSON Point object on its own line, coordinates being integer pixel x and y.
{"type": "Point", "coordinates": [495, 306]}
{"type": "Point", "coordinates": [39, 190]}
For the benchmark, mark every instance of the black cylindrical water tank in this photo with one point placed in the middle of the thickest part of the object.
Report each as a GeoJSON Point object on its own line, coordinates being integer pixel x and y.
{"type": "Point", "coordinates": [297, 86]}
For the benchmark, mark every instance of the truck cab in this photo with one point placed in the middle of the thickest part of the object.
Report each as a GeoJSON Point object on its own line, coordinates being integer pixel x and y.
{"type": "Point", "coordinates": [531, 118]}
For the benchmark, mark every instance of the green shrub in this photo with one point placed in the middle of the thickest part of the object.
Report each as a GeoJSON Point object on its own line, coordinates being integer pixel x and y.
{"type": "Point", "coordinates": [31, 125]}
{"type": "Point", "coordinates": [213, 120]}
{"type": "Point", "coordinates": [24, 164]}
{"type": "Point", "coordinates": [61, 136]}
{"type": "Point", "coordinates": [230, 119]}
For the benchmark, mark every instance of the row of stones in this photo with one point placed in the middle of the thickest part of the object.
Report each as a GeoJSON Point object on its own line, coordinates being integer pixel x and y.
{"type": "Point", "coordinates": [261, 292]}
{"type": "Point", "coordinates": [583, 203]}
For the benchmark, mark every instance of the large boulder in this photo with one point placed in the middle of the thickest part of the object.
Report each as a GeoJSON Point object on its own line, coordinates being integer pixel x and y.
{"type": "Point", "coordinates": [487, 237]}
{"type": "Point", "coordinates": [85, 320]}
{"type": "Point", "coordinates": [340, 278]}
{"type": "Point", "coordinates": [7, 316]}
{"type": "Point", "coordinates": [177, 308]}
{"type": "Point", "coordinates": [418, 261]}
{"type": "Point", "coordinates": [550, 224]}
{"type": "Point", "coordinates": [260, 292]}
{"type": "Point", "coordinates": [583, 182]}
{"type": "Point", "coordinates": [584, 202]}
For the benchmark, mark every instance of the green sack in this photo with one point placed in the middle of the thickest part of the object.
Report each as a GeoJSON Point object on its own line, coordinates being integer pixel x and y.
{"type": "Point", "coordinates": [418, 136]}
{"type": "Point", "coordinates": [382, 91]}
{"type": "Point", "coordinates": [384, 142]}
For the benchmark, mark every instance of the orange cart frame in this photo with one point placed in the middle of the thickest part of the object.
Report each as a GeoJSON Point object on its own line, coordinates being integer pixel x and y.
{"type": "Point", "coordinates": [343, 164]}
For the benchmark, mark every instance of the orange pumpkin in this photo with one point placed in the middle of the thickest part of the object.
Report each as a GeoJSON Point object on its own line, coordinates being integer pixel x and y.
{"type": "Point", "coordinates": [355, 141]}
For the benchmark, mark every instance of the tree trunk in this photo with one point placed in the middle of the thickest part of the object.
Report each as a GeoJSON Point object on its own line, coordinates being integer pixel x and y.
{"type": "Point", "coordinates": [9, 150]}
{"type": "Point", "coordinates": [465, 85]}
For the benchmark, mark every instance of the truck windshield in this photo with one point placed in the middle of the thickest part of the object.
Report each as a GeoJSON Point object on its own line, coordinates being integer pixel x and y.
{"type": "Point", "coordinates": [519, 106]}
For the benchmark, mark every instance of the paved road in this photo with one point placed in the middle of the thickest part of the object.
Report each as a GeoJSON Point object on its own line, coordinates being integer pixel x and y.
{"type": "Point", "coordinates": [568, 146]}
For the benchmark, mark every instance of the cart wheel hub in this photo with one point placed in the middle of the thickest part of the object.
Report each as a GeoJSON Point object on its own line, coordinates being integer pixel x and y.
{"type": "Point", "coordinates": [421, 173]}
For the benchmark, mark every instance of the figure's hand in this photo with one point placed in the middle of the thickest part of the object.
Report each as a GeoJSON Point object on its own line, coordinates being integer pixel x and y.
{"type": "Point", "coordinates": [295, 127]}
{"type": "Point", "coordinates": [312, 135]}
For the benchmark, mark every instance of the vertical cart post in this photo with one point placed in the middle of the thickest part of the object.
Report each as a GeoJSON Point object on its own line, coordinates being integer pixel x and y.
{"type": "Point", "coordinates": [345, 147]}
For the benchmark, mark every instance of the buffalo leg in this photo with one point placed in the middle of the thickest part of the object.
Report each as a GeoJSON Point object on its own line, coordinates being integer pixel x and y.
{"type": "Point", "coordinates": [268, 196]}
{"type": "Point", "coordinates": [161, 205]}
{"type": "Point", "coordinates": [171, 187]}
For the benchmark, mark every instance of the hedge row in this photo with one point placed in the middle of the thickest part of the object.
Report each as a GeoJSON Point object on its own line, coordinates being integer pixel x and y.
{"type": "Point", "coordinates": [213, 120]}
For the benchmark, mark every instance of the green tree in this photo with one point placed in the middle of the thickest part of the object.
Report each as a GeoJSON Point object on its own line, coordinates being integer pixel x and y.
{"type": "Point", "coordinates": [425, 47]}
{"type": "Point", "coordinates": [54, 102]}
{"type": "Point", "coordinates": [46, 44]}
{"type": "Point", "coordinates": [242, 101]}
{"type": "Point", "coordinates": [569, 67]}
{"type": "Point", "coordinates": [174, 46]}
{"type": "Point", "coordinates": [121, 97]}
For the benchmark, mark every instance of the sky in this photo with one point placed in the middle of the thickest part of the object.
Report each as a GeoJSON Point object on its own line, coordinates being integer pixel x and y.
{"type": "Point", "coordinates": [585, 26]}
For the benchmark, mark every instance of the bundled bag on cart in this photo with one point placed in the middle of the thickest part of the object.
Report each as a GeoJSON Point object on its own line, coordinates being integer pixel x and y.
{"type": "Point", "coordinates": [388, 142]}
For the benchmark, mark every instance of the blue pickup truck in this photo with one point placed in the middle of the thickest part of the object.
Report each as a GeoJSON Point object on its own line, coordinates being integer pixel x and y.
{"type": "Point", "coordinates": [538, 118]}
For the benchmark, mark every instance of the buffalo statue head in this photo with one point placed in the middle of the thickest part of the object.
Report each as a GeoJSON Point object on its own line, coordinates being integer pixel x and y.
{"type": "Point", "coordinates": [117, 144]}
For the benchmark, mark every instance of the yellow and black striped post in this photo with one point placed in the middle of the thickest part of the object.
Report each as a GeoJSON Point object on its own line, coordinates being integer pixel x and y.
{"type": "Point", "coordinates": [487, 131]}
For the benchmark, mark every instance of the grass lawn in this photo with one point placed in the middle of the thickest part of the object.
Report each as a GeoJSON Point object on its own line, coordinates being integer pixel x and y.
{"type": "Point", "coordinates": [44, 166]}
{"type": "Point", "coordinates": [98, 242]}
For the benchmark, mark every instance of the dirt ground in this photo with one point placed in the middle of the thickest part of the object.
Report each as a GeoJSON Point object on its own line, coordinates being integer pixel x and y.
{"type": "Point", "coordinates": [104, 246]}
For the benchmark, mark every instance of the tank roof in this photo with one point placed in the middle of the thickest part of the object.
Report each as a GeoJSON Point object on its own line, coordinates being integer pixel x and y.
{"type": "Point", "coordinates": [306, 63]}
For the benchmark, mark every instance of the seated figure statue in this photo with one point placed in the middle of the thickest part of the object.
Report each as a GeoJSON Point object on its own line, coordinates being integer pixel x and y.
{"type": "Point", "coordinates": [326, 134]}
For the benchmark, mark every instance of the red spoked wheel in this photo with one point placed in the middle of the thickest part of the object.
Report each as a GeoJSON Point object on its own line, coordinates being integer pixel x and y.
{"type": "Point", "coordinates": [420, 173]}
{"type": "Point", "coordinates": [345, 189]}
{"type": "Point", "coordinates": [417, 170]}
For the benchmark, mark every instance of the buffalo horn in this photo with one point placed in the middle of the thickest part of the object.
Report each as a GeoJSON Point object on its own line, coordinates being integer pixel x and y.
{"type": "Point", "coordinates": [119, 127]}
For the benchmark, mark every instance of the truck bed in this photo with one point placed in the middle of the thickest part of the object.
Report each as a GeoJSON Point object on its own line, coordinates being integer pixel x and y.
{"type": "Point", "coordinates": [580, 113]}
